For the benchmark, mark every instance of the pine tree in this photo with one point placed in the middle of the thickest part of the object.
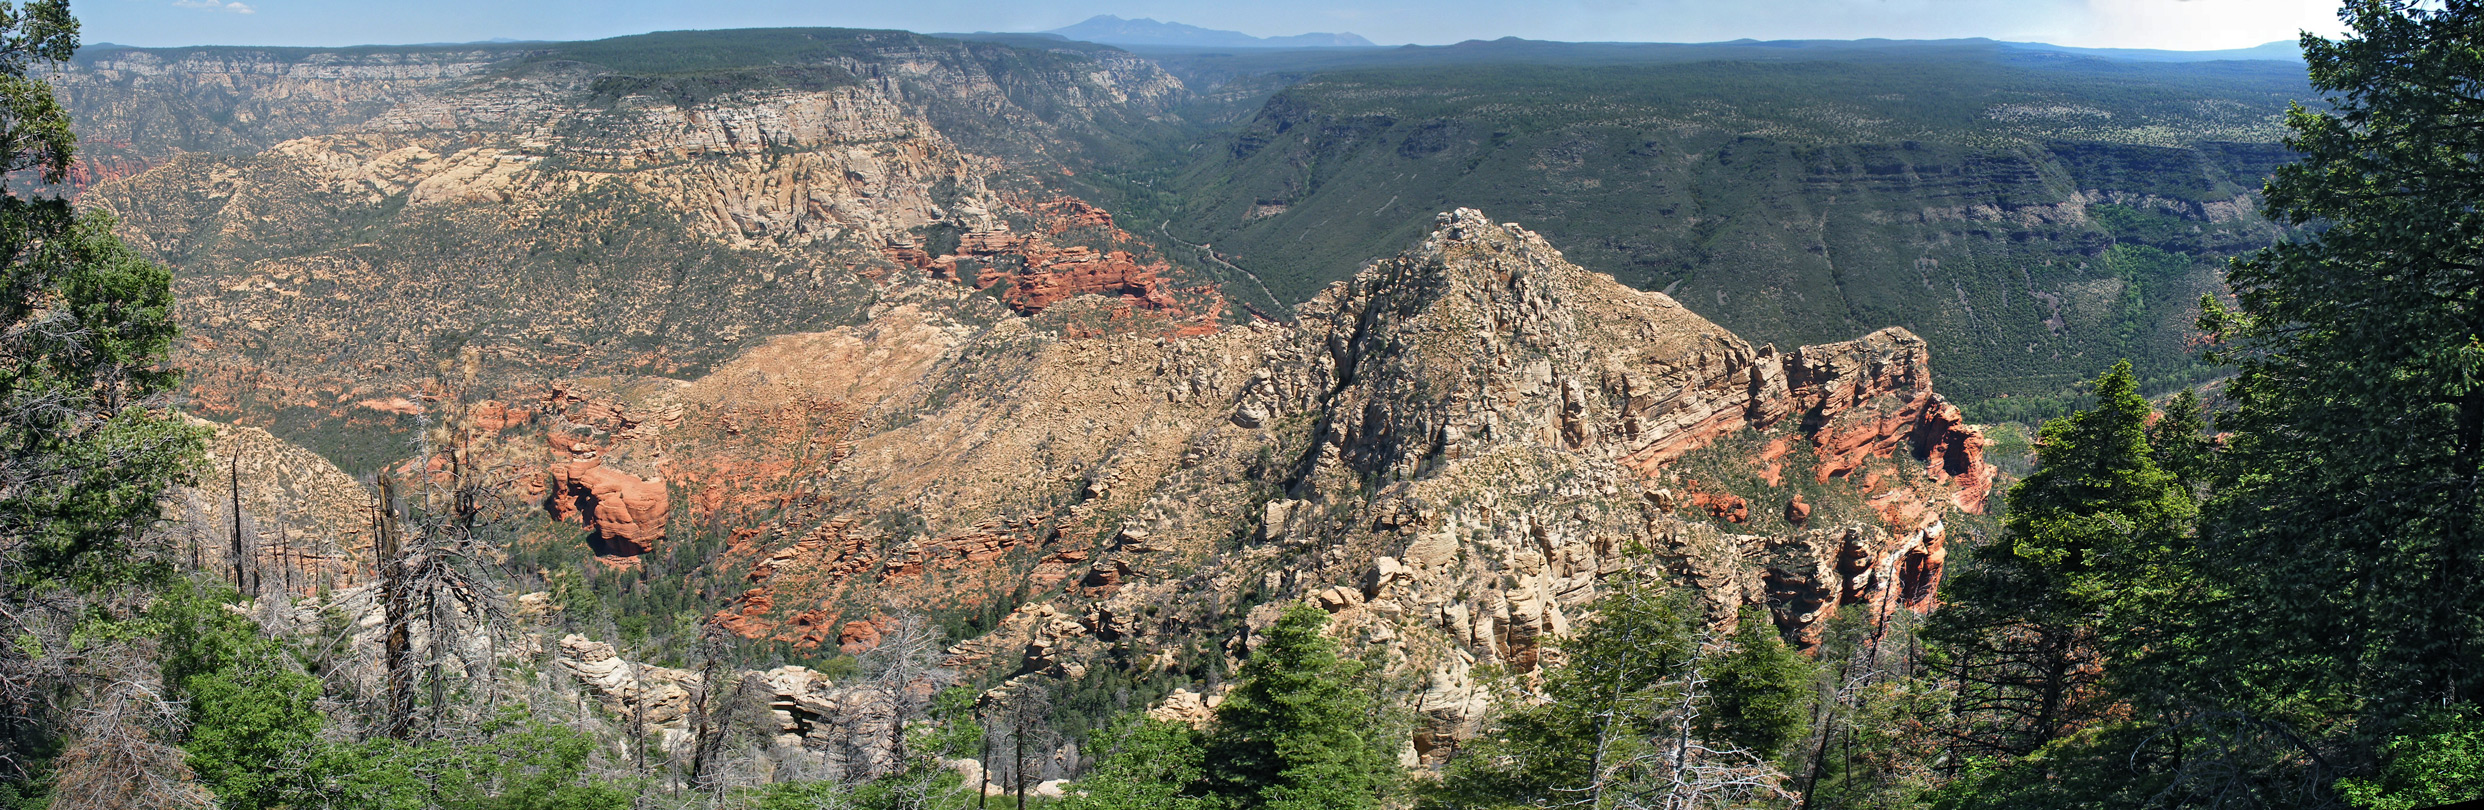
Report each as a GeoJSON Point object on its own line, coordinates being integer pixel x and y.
{"type": "Point", "coordinates": [88, 442]}
{"type": "Point", "coordinates": [2091, 565]}
{"type": "Point", "coordinates": [1299, 732]}
{"type": "Point", "coordinates": [2181, 442]}
{"type": "Point", "coordinates": [2107, 527]}
{"type": "Point", "coordinates": [1760, 698]}
{"type": "Point", "coordinates": [2350, 542]}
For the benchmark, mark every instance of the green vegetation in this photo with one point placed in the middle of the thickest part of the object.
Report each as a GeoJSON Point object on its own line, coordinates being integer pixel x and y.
{"type": "Point", "coordinates": [1146, 764]}
{"type": "Point", "coordinates": [1759, 699]}
{"type": "Point", "coordinates": [1650, 710]}
{"type": "Point", "coordinates": [88, 441]}
{"type": "Point", "coordinates": [2441, 763]}
{"type": "Point", "coordinates": [1300, 733]}
{"type": "Point", "coordinates": [2034, 220]}
{"type": "Point", "coordinates": [2287, 615]}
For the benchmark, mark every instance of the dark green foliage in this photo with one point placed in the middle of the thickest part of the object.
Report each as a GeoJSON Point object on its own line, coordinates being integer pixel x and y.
{"type": "Point", "coordinates": [1760, 695]}
{"type": "Point", "coordinates": [704, 52]}
{"type": "Point", "coordinates": [255, 733]}
{"type": "Point", "coordinates": [2091, 768]}
{"type": "Point", "coordinates": [2329, 595]}
{"type": "Point", "coordinates": [513, 764]}
{"type": "Point", "coordinates": [82, 452]}
{"type": "Point", "coordinates": [87, 439]}
{"type": "Point", "coordinates": [2023, 656]}
{"type": "Point", "coordinates": [1091, 704]}
{"type": "Point", "coordinates": [2101, 517]}
{"type": "Point", "coordinates": [253, 716]}
{"type": "Point", "coordinates": [2181, 442]}
{"type": "Point", "coordinates": [2349, 545]}
{"type": "Point", "coordinates": [33, 34]}
{"type": "Point", "coordinates": [1145, 764]}
{"type": "Point", "coordinates": [2089, 580]}
{"type": "Point", "coordinates": [1300, 732]}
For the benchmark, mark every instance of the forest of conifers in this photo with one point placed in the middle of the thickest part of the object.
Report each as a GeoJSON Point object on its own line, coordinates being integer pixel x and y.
{"type": "Point", "coordinates": [2265, 594]}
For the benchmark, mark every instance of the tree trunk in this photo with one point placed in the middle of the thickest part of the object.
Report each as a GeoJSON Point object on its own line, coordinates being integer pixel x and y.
{"type": "Point", "coordinates": [238, 583]}
{"type": "Point", "coordinates": [400, 641]}
{"type": "Point", "coordinates": [983, 794]}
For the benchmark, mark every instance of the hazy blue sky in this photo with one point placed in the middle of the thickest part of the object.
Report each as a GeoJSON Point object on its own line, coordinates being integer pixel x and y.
{"type": "Point", "coordinates": [2181, 24]}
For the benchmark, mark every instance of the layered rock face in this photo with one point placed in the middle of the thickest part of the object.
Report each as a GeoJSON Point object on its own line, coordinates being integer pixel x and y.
{"type": "Point", "coordinates": [1034, 273]}
{"type": "Point", "coordinates": [1450, 452]}
{"type": "Point", "coordinates": [822, 727]}
{"type": "Point", "coordinates": [333, 217]}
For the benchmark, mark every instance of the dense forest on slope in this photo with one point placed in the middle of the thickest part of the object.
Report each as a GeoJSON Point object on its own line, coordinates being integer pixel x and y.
{"type": "Point", "coordinates": [2035, 217]}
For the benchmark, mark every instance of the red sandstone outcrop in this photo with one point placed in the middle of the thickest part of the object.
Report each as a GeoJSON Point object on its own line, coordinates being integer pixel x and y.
{"type": "Point", "coordinates": [1476, 437]}
{"type": "Point", "coordinates": [1872, 398]}
{"type": "Point", "coordinates": [1723, 506]}
{"type": "Point", "coordinates": [626, 512]}
{"type": "Point", "coordinates": [1034, 273]}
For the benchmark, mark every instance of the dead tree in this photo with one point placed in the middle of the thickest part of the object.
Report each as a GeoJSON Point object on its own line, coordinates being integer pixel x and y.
{"type": "Point", "coordinates": [397, 606]}
{"type": "Point", "coordinates": [434, 566]}
{"type": "Point", "coordinates": [707, 732]}
{"type": "Point", "coordinates": [117, 760]}
{"type": "Point", "coordinates": [1023, 711]}
{"type": "Point", "coordinates": [905, 672]}
{"type": "Point", "coordinates": [241, 551]}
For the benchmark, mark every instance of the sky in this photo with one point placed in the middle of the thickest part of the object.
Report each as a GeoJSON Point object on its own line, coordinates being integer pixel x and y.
{"type": "Point", "coordinates": [2171, 24]}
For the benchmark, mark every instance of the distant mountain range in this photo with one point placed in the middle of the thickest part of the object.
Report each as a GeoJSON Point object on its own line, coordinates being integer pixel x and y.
{"type": "Point", "coordinates": [1111, 30]}
{"type": "Point", "coordinates": [2284, 50]}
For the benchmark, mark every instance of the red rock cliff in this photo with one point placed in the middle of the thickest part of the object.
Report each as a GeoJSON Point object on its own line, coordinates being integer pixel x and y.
{"type": "Point", "coordinates": [627, 512]}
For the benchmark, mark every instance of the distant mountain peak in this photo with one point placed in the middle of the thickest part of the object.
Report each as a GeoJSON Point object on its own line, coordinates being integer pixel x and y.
{"type": "Point", "coordinates": [1112, 30]}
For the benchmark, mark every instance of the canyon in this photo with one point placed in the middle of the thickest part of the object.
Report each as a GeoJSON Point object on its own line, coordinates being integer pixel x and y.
{"type": "Point", "coordinates": [876, 333]}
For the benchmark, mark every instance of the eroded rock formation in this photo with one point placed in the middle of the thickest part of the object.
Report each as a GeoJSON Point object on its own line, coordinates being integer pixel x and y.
{"type": "Point", "coordinates": [1449, 452]}
{"type": "Point", "coordinates": [626, 512]}
{"type": "Point", "coordinates": [1034, 273]}
{"type": "Point", "coordinates": [820, 726]}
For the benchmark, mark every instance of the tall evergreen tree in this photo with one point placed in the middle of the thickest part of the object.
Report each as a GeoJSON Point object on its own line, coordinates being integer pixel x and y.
{"type": "Point", "coordinates": [1760, 695]}
{"type": "Point", "coordinates": [87, 440]}
{"type": "Point", "coordinates": [2181, 442]}
{"type": "Point", "coordinates": [2092, 563]}
{"type": "Point", "coordinates": [1300, 732]}
{"type": "Point", "coordinates": [2350, 541]}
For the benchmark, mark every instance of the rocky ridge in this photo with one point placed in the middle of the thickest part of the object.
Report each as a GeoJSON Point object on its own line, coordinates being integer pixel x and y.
{"type": "Point", "coordinates": [1449, 452]}
{"type": "Point", "coordinates": [331, 216]}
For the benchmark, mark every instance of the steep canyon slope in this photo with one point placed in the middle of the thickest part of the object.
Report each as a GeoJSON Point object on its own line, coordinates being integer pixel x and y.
{"type": "Point", "coordinates": [343, 220]}
{"type": "Point", "coordinates": [2037, 217]}
{"type": "Point", "coordinates": [822, 327]}
{"type": "Point", "coordinates": [1448, 451]}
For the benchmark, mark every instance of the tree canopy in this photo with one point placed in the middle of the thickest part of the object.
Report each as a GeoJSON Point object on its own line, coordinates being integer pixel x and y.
{"type": "Point", "coordinates": [2349, 541]}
